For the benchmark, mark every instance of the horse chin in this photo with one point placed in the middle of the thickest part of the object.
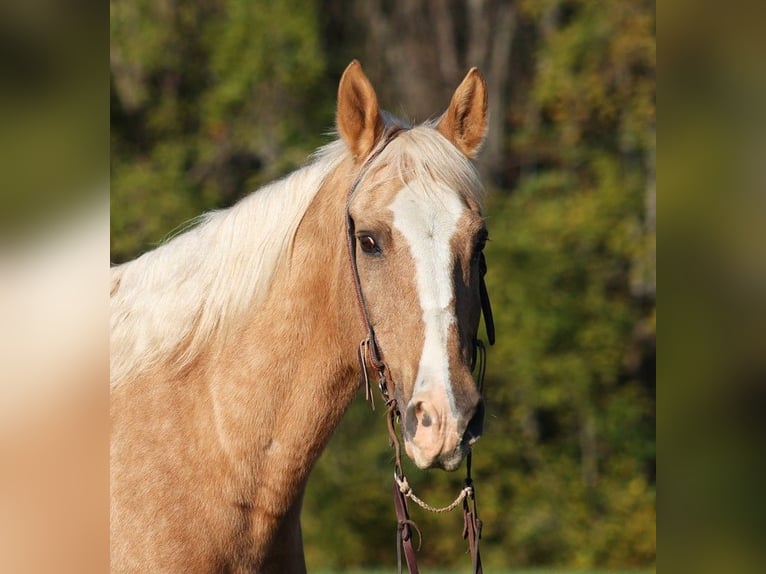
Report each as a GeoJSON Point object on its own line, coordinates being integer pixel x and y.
{"type": "Point", "coordinates": [451, 463]}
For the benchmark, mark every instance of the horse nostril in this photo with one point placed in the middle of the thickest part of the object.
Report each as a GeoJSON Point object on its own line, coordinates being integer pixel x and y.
{"type": "Point", "coordinates": [411, 419]}
{"type": "Point", "coordinates": [419, 413]}
{"type": "Point", "coordinates": [475, 425]}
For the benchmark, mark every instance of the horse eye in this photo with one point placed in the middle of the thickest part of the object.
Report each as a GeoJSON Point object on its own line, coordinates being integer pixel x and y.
{"type": "Point", "coordinates": [368, 244]}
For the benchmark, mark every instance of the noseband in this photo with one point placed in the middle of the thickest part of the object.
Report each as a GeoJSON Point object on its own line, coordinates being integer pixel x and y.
{"type": "Point", "coordinates": [371, 356]}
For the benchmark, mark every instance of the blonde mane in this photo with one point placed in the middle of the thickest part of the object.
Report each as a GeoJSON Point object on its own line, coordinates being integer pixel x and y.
{"type": "Point", "coordinates": [168, 303]}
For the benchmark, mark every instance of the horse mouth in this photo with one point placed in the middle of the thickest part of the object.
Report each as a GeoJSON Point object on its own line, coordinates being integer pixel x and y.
{"type": "Point", "coordinates": [448, 461]}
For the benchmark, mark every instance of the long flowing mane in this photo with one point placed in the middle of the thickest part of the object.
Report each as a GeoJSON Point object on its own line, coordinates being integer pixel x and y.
{"type": "Point", "coordinates": [167, 303]}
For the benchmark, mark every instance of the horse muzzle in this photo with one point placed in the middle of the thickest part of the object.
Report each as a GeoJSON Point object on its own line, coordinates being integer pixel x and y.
{"type": "Point", "coordinates": [435, 438]}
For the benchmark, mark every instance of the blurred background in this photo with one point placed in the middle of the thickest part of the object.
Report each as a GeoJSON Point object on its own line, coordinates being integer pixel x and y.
{"type": "Point", "coordinates": [211, 99]}
{"type": "Point", "coordinates": [573, 286]}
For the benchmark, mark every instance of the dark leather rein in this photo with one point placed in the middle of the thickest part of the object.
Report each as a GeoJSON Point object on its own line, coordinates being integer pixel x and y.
{"type": "Point", "coordinates": [371, 357]}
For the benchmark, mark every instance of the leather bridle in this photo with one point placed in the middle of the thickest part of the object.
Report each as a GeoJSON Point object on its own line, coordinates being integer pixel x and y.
{"type": "Point", "coordinates": [370, 355]}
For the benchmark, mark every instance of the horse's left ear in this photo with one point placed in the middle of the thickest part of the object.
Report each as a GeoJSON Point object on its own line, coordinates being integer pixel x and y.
{"type": "Point", "coordinates": [359, 121]}
{"type": "Point", "coordinates": [465, 121]}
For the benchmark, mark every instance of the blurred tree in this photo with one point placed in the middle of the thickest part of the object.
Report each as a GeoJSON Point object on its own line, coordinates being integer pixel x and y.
{"type": "Point", "coordinates": [209, 99]}
{"type": "Point", "coordinates": [577, 288]}
{"type": "Point", "coordinates": [436, 42]}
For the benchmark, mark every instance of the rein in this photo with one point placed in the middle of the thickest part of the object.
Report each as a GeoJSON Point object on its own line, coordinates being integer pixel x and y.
{"type": "Point", "coordinates": [369, 353]}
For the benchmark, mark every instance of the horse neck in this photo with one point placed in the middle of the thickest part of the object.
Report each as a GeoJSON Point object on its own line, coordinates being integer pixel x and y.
{"type": "Point", "coordinates": [294, 364]}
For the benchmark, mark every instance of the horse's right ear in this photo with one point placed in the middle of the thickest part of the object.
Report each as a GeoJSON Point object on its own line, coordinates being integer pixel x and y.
{"type": "Point", "coordinates": [359, 121]}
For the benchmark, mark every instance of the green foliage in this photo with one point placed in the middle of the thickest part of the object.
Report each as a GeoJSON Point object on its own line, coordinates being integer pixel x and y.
{"type": "Point", "coordinates": [213, 98]}
{"type": "Point", "coordinates": [210, 100]}
{"type": "Point", "coordinates": [580, 427]}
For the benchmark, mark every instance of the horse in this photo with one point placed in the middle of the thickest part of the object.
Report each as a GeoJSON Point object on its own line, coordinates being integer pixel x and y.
{"type": "Point", "coordinates": [235, 345]}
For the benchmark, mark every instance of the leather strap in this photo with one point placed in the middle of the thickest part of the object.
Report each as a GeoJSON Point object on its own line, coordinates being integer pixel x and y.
{"type": "Point", "coordinates": [486, 307]}
{"type": "Point", "coordinates": [404, 529]}
{"type": "Point", "coordinates": [471, 523]}
{"type": "Point", "coordinates": [472, 531]}
{"type": "Point", "coordinates": [369, 349]}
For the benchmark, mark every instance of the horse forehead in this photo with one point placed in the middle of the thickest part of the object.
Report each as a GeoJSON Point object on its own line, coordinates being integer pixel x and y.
{"type": "Point", "coordinates": [427, 211]}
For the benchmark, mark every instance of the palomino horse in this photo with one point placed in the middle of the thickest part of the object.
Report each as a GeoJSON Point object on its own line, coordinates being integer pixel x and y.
{"type": "Point", "coordinates": [235, 344]}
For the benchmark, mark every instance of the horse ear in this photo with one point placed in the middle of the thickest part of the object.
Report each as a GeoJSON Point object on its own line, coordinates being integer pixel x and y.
{"type": "Point", "coordinates": [359, 121]}
{"type": "Point", "coordinates": [465, 121]}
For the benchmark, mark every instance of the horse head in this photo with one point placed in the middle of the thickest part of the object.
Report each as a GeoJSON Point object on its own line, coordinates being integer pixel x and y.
{"type": "Point", "coordinates": [417, 234]}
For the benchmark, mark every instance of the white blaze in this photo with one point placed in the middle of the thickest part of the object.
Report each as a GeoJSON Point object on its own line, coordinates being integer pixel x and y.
{"type": "Point", "coordinates": [428, 220]}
